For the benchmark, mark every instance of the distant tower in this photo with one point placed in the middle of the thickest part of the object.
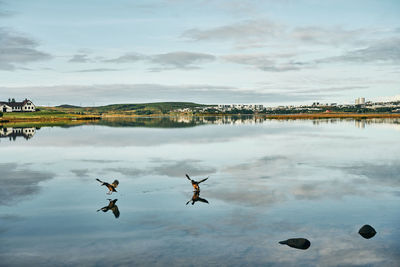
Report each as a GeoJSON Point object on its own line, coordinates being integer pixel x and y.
{"type": "Point", "coordinates": [360, 101]}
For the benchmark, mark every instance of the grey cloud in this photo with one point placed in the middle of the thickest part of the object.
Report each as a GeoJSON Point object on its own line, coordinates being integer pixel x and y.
{"type": "Point", "coordinates": [174, 60]}
{"type": "Point", "coordinates": [80, 58]}
{"type": "Point", "coordinates": [327, 36]}
{"type": "Point", "coordinates": [17, 50]}
{"type": "Point", "coordinates": [256, 33]}
{"type": "Point", "coordinates": [121, 93]}
{"type": "Point", "coordinates": [253, 30]}
{"type": "Point", "coordinates": [181, 60]}
{"type": "Point", "coordinates": [98, 70]}
{"type": "Point", "coordinates": [263, 62]}
{"type": "Point", "coordinates": [386, 51]}
{"type": "Point", "coordinates": [19, 183]}
{"type": "Point", "coordinates": [98, 161]}
{"type": "Point", "coordinates": [127, 58]}
{"type": "Point", "coordinates": [334, 89]}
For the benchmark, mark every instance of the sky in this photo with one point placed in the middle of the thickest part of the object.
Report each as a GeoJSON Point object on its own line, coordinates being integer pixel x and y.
{"type": "Point", "coordinates": [271, 52]}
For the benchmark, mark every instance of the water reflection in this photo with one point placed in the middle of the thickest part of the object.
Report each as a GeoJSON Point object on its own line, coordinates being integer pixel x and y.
{"type": "Point", "coordinates": [191, 121]}
{"type": "Point", "coordinates": [196, 197]}
{"type": "Point", "coordinates": [367, 231]}
{"type": "Point", "coordinates": [268, 183]}
{"type": "Point", "coordinates": [111, 206]}
{"type": "Point", "coordinates": [299, 243]}
{"type": "Point", "coordinates": [12, 133]}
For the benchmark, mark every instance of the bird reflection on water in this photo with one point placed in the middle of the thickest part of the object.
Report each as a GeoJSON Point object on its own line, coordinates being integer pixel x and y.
{"type": "Point", "coordinates": [196, 197]}
{"type": "Point", "coordinates": [299, 243]}
{"type": "Point", "coordinates": [111, 206]}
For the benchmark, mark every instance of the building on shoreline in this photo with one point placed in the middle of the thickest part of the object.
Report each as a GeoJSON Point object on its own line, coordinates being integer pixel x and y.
{"type": "Point", "coordinates": [13, 106]}
{"type": "Point", "coordinates": [240, 107]}
{"type": "Point", "coordinates": [360, 101]}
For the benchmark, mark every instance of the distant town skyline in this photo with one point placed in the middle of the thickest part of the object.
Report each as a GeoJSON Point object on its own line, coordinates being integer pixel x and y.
{"type": "Point", "coordinates": [99, 52]}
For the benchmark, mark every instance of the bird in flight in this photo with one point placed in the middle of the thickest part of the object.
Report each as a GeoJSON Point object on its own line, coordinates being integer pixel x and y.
{"type": "Point", "coordinates": [195, 184]}
{"type": "Point", "coordinates": [196, 197]}
{"type": "Point", "coordinates": [110, 187]}
{"type": "Point", "coordinates": [111, 206]}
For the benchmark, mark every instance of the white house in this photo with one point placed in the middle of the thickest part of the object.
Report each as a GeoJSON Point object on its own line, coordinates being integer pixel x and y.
{"type": "Point", "coordinates": [4, 107]}
{"type": "Point", "coordinates": [12, 106]}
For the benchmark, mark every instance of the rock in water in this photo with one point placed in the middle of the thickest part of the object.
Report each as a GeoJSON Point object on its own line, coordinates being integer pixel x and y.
{"type": "Point", "coordinates": [367, 231]}
{"type": "Point", "coordinates": [300, 243]}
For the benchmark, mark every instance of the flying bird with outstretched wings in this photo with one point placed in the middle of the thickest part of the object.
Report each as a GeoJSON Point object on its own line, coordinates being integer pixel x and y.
{"type": "Point", "coordinates": [110, 187]}
{"type": "Point", "coordinates": [195, 184]}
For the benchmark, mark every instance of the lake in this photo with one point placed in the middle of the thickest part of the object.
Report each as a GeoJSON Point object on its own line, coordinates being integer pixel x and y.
{"type": "Point", "coordinates": [269, 181]}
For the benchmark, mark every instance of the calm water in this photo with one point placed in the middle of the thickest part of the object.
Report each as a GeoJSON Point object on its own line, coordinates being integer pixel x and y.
{"type": "Point", "coordinates": [269, 181]}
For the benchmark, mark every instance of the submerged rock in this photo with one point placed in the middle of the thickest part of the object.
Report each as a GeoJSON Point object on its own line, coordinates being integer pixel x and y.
{"type": "Point", "coordinates": [299, 243]}
{"type": "Point", "coordinates": [367, 231]}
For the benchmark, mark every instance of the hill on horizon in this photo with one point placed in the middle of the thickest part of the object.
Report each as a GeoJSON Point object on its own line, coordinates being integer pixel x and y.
{"type": "Point", "coordinates": [139, 109]}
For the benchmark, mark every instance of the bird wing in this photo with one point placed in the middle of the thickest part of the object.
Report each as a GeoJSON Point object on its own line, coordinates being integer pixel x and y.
{"type": "Point", "coordinates": [203, 180]}
{"type": "Point", "coordinates": [104, 209]}
{"type": "Point", "coordinates": [115, 183]}
{"type": "Point", "coordinates": [187, 176]}
{"type": "Point", "coordinates": [202, 200]}
{"type": "Point", "coordinates": [115, 211]}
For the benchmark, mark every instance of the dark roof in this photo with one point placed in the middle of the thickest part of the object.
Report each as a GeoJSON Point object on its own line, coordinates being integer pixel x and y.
{"type": "Point", "coordinates": [15, 104]}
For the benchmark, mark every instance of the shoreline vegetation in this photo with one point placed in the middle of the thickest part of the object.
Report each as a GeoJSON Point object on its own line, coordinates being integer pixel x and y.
{"type": "Point", "coordinates": [70, 115]}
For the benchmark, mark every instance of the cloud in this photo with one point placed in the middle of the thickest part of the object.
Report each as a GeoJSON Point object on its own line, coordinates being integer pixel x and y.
{"type": "Point", "coordinates": [264, 32]}
{"type": "Point", "coordinates": [80, 58]}
{"type": "Point", "coordinates": [169, 61]}
{"type": "Point", "coordinates": [263, 62]}
{"type": "Point", "coordinates": [127, 58]}
{"type": "Point", "coordinates": [327, 36]}
{"type": "Point", "coordinates": [98, 70]}
{"type": "Point", "coordinates": [181, 60]}
{"type": "Point", "coordinates": [19, 183]}
{"type": "Point", "coordinates": [17, 50]}
{"type": "Point", "coordinates": [124, 93]}
{"type": "Point", "coordinates": [249, 30]}
{"type": "Point", "coordinates": [385, 51]}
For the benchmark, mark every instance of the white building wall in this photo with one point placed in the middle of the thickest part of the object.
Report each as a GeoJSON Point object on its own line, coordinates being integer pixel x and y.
{"type": "Point", "coordinates": [5, 108]}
